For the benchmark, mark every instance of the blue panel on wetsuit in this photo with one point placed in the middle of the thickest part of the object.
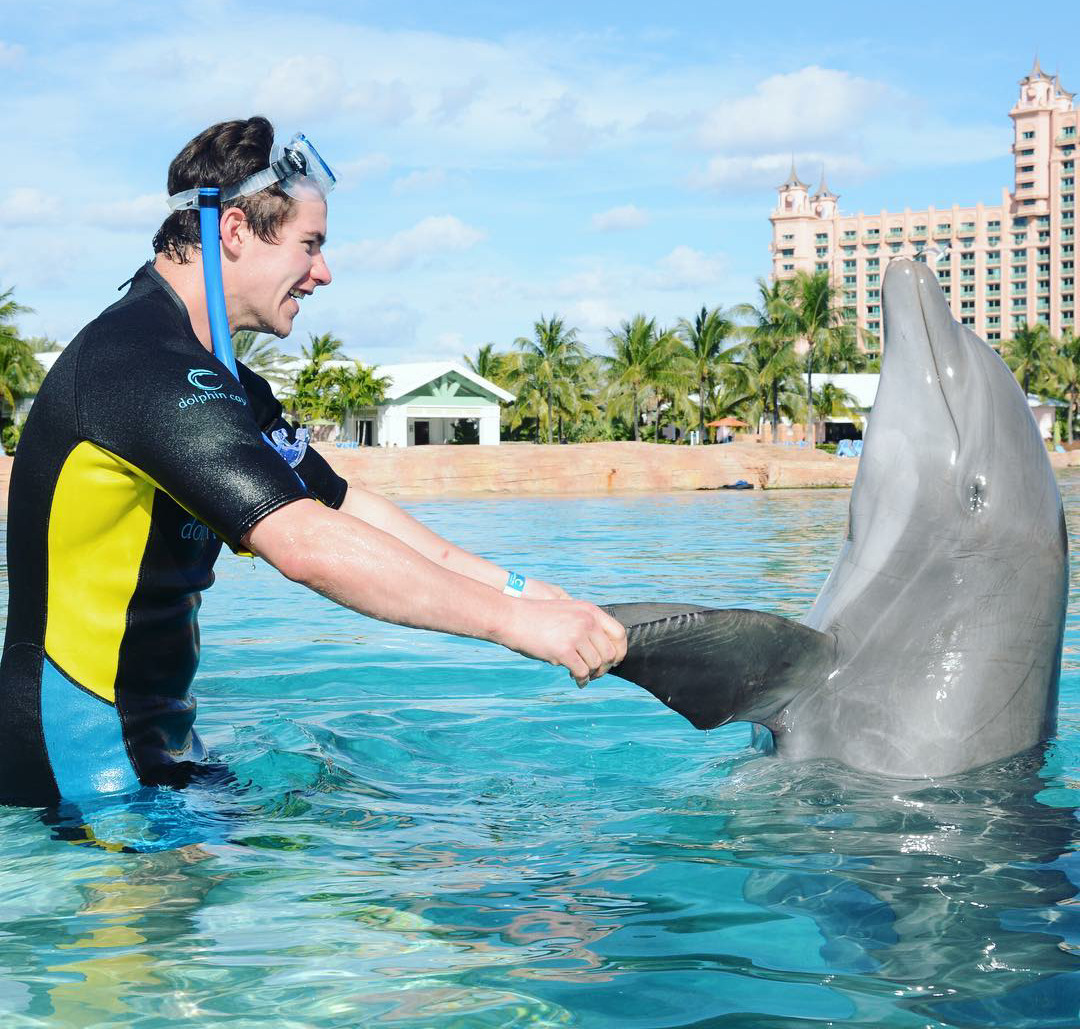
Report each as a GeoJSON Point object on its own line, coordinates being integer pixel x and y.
{"type": "Point", "coordinates": [83, 738]}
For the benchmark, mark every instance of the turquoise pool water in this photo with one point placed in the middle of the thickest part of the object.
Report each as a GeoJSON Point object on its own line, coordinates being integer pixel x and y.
{"type": "Point", "coordinates": [438, 833]}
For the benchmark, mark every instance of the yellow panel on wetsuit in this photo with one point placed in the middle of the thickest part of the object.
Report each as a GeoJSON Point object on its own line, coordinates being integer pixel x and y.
{"type": "Point", "coordinates": [98, 528]}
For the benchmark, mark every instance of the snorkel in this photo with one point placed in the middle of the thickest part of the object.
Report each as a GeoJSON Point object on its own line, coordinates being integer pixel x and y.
{"type": "Point", "coordinates": [210, 240]}
{"type": "Point", "coordinates": [298, 170]}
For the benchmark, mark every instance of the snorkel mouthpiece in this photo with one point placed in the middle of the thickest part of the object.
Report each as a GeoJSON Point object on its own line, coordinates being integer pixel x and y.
{"type": "Point", "coordinates": [210, 238]}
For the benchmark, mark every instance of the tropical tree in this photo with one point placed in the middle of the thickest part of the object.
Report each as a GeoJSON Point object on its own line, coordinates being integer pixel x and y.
{"type": "Point", "coordinates": [831, 401]}
{"type": "Point", "coordinates": [260, 354]}
{"type": "Point", "coordinates": [20, 373]}
{"type": "Point", "coordinates": [816, 318]}
{"type": "Point", "coordinates": [767, 357]}
{"type": "Point", "coordinates": [1030, 354]}
{"type": "Point", "coordinates": [490, 364]}
{"type": "Point", "coordinates": [644, 362]}
{"type": "Point", "coordinates": [706, 353]}
{"type": "Point", "coordinates": [548, 368]}
{"type": "Point", "coordinates": [1067, 367]}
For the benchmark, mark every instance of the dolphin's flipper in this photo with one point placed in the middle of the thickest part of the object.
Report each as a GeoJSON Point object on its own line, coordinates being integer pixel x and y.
{"type": "Point", "coordinates": [720, 666]}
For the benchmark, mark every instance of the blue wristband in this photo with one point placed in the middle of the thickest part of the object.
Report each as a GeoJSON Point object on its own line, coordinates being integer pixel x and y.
{"type": "Point", "coordinates": [515, 585]}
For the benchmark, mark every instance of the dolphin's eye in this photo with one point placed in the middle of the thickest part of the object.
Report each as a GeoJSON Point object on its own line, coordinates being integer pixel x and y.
{"type": "Point", "coordinates": [977, 493]}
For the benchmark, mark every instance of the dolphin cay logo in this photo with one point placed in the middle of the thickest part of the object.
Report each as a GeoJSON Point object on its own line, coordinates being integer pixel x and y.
{"type": "Point", "coordinates": [196, 375]}
{"type": "Point", "coordinates": [210, 387]}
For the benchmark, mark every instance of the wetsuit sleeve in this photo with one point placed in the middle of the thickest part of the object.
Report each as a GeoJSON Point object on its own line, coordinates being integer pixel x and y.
{"type": "Point", "coordinates": [186, 425]}
{"type": "Point", "coordinates": [321, 480]}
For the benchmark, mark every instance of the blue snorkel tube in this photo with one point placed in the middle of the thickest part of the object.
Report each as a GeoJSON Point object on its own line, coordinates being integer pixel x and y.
{"type": "Point", "coordinates": [210, 238]}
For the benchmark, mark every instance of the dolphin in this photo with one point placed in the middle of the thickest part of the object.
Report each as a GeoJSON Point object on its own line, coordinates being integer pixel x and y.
{"type": "Point", "coordinates": [934, 646]}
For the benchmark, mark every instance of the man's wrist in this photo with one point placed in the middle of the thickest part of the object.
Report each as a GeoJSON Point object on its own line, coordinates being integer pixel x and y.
{"type": "Point", "coordinates": [515, 584]}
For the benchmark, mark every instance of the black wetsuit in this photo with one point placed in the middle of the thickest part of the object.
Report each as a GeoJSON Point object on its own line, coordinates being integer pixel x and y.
{"type": "Point", "coordinates": [140, 456]}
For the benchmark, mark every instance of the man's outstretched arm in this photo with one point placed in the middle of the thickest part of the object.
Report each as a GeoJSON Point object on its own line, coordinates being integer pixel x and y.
{"type": "Point", "coordinates": [359, 566]}
{"type": "Point", "coordinates": [386, 515]}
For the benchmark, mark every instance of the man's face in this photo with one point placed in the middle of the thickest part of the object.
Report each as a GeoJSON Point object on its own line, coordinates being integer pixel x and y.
{"type": "Point", "coordinates": [272, 278]}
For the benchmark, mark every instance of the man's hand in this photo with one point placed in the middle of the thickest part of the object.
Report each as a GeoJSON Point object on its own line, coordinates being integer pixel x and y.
{"type": "Point", "coordinates": [586, 641]}
{"type": "Point", "coordinates": [537, 589]}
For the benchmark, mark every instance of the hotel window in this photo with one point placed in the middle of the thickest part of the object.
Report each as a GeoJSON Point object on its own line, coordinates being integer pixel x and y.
{"type": "Point", "coordinates": [873, 233]}
{"type": "Point", "coordinates": [967, 305]}
{"type": "Point", "coordinates": [788, 268]}
{"type": "Point", "coordinates": [848, 250]}
{"type": "Point", "coordinates": [1027, 203]}
{"type": "Point", "coordinates": [895, 248]}
{"type": "Point", "coordinates": [849, 234]}
{"type": "Point", "coordinates": [993, 319]}
{"type": "Point", "coordinates": [872, 248]}
{"type": "Point", "coordinates": [993, 287]}
{"type": "Point", "coordinates": [1019, 223]}
{"type": "Point", "coordinates": [822, 251]}
{"type": "Point", "coordinates": [849, 296]}
{"type": "Point", "coordinates": [1069, 130]}
{"type": "Point", "coordinates": [1020, 252]}
{"type": "Point", "coordinates": [1030, 134]}
{"type": "Point", "coordinates": [967, 257]}
{"type": "Point", "coordinates": [873, 309]}
{"type": "Point", "coordinates": [993, 335]}
{"type": "Point", "coordinates": [1066, 165]}
{"type": "Point", "coordinates": [1019, 237]}
{"type": "Point", "coordinates": [873, 327]}
{"type": "Point", "coordinates": [1042, 269]}
{"type": "Point", "coordinates": [896, 230]}
{"type": "Point", "coordinates": [1027, 153]}
{"type": "Point", "coordinates": [1019, 321]}
{"type": "Point", "coordinates": [967, 320]}
{"type": "Point", "coordinates": [1043, 285]}
{"type": "Point", "coordinates": [873, 280]}
{"type": "Point", "coordinates": [919, 230]}
{"type": "Point", "coordinates": [1043, 219]}
{"type": "Point", "coordinates": [1019, 302]}
{"type": "Point", "coordinates": [1019, 270]}
{"type": "Point", "coordinates": [993, 225]}
{"type": "Point", "coordinates": [821, 237]}
{"type": "Point", "coordinates": [873, 262]}
{"type": "Point", "coordinates": [787, 236]}
{"type": "Point", "coordinates": [787, 253]}
{"type": "Point", "coordinates": [1019, 287]}
{"type": "Point", "coordinates": [967, 273]}
{"type": "Point", "coordinates": [1068, 233]}
{"type": "Point", "coordinates": [993, 240]}
{"type": "Point", "coordinates": [1043, 252]}
{"type": "Point", "coordinates": [992, 256]}
{"type": "Point", "coordinates": [1068, 180]}
{"type": "Point", "coordinates": [850, 280]}
{"type": "Point", "coordinates": [873, 294]}
{"type": "Point", "coordinates": [1024, 169]}
{"type": "Point", "coordinates": [1025, 185]}
{"type": "Point", "coordinates": [944, 274]}
{"type": "Point", "coordinates": [1066, 248]}
{"type": "Point", "coordinates": [992, 304]}
{"type": "Point", "coordinates": [942, 229]}
{"type": "Point", "coordinates": [849, 266]}
{"type": "Point", "coordinates": [967, 290]}
{"type": "Point", "coordinates": [946, 290]}
{"type": "Point", "coordinates": [821, 266]}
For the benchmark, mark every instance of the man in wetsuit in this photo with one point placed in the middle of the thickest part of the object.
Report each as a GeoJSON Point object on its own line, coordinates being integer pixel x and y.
{"type": "Point", "coordinates": [142, 454]}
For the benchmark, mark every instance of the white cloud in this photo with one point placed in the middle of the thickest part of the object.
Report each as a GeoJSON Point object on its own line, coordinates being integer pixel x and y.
{"type": "Point", "coordinates": [370, 166]}
{"type": "Point", "coordinates": [454, 100]}
{"type": "Point", "coordinates": [425, 241]}
{"type": "Point", "coordinates": [768, 170]}
{"type": "Point", "coordinates": [27, 205]}
{"type": "Point", "coordinates": [620, 219]}
{"type": "Point", "coordinates": [384, 103]}
{"type": "Point", "coordinates": [300, 87]}
{"type": "Point", "coordinates": [566, 130]}
{"type": "Point", "coordinates": [687, 268]}
{"type": "Point", "coordinates": [141, 212]}
{"type": "Point", "coordinates": [419, 180]}
{"type": "Point", "coordinates": [813, 104]}
{"type": "Point", "coordinates": [11, 54]}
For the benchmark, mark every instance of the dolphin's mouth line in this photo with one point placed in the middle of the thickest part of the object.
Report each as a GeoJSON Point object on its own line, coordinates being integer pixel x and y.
{"type": "Point", "coordinates": [937, 373]}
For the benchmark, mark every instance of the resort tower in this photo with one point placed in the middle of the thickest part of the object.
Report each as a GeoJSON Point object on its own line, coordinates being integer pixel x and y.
{"type": "Point", "coordinates": [1006, 265]}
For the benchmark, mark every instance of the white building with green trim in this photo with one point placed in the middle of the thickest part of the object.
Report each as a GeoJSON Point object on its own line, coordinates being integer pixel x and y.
{"type": "Point", "coordinates": [424, 403]}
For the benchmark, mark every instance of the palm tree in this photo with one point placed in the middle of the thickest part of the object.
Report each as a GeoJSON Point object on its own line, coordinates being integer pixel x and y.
{"type": "Point", "coordinates": [767, 357]}
{"type": "Point", "coordinates": [818, 320]}
{"type": "Point", "coordinates": [490, 364]}
{"type": "Point", "coordinates": [705, 341]}
{"type": "Point", "coordinates": [259, 354]}
{"type": "Point", "coordinates": [1030, 354]}
{"type": "Point", "coordinates": [1068, 373]}
{"type": "Point", "coordinates": [547, 366]}
{"type": "Point", "coordinates": [20, 372]}
{"type": "Point", "coordinates": [322, 349]}
{"type": "Point", "coordinates": [644, 362]}
{"type": "Point", "coordinates": [833, 402]}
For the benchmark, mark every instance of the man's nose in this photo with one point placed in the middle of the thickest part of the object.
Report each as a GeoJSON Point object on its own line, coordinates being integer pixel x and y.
{"type": "Point", "coordinates": [320, 271]}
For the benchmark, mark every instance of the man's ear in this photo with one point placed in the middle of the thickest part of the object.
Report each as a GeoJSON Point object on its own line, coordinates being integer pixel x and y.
{"type": "Point", "coordinates": [235, 231]}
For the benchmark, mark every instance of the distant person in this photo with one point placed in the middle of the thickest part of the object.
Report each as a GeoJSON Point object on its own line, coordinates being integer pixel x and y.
{"type": "Point", "coordinates": [142, 454]}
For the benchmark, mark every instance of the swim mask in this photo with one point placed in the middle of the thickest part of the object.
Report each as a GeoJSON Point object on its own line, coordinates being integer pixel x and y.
{"type": "Point", "coordinates": [296, 167]}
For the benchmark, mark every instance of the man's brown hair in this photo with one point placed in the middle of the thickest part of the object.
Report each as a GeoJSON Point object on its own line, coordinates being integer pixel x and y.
{"type": "Point", "coordinates": [223, 155]}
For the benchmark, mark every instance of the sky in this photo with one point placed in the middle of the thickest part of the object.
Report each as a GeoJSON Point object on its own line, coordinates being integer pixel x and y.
{"type": "Point", "coordinates": [499, 162]}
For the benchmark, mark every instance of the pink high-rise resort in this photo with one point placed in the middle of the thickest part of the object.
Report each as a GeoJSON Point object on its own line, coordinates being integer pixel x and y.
{"type": "Point", "coordinates": [1006, 265]}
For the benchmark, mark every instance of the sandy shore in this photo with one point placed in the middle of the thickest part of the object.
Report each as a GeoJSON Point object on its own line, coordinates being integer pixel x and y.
{"type": "Point", "coordinates": [525, 469]}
